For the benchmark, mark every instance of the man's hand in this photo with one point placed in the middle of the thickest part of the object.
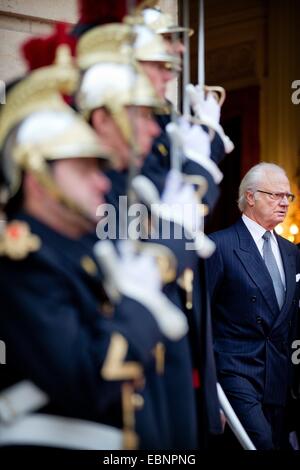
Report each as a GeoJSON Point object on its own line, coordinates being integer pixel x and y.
{"type": "Point", "coordinates": [223, 420]}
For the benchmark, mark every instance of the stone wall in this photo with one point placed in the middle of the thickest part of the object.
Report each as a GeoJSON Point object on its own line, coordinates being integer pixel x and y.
{"type": "Point", "coordinates": [19, 19]}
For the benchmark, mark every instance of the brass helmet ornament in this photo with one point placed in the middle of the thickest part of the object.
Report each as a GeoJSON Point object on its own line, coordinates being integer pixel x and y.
{"type": "Point", "coordinates": [115, 86]}
{"type": "Point", "coordinates": [150, 47]}
{"type": "Point", "coordinates": [108, 55]}
{"type": "Point", "coordinates": [162, 23]}
{"type": "Point", "coordinates": [37, 126]}
{"type": "Point", "coordinates": [108, 43]}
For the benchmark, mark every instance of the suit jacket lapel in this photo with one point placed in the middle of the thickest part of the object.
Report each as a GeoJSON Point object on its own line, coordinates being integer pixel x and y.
{"type": "Point", "coordinates": [253, 263]}
{"type": "Point", "coordinates": [289, 265]}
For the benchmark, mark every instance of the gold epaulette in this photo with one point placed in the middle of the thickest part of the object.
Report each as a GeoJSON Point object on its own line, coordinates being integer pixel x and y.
{"type": "Point", "coordinates": [17, 241]}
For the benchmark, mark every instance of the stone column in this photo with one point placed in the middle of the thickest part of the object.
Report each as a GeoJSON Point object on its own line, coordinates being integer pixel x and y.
{"type": "Point", "coordinates": [280, 132]}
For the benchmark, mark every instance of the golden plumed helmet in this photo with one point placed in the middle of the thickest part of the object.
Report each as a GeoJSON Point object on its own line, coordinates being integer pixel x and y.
{"type": "Point", "coordinates": [150, 47]}
{"type": "Point", "coordinates": [120, 42]}
{"type": "Point", "coordinates": [162, 23]}
{"type": "Point", "coordinates": [111, 42]}
{"type": "Point", "coordinates": [36, 124]}
{"type": "Point", "coordinates": [115, 86]}
{"type": "Point", "coordinates": [112, 78]}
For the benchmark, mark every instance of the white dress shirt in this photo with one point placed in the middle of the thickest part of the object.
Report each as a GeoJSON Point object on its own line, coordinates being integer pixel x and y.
{"type": "Point", "coordinates": [257, 232]}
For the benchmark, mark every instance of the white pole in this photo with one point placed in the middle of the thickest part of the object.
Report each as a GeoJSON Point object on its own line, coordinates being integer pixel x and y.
{"type": "Point", "coordinates": [233, 421]}
{"type": "Point", "coordinates": [201, 45]}
{"type": "Point", "coordinates": [186, 58]}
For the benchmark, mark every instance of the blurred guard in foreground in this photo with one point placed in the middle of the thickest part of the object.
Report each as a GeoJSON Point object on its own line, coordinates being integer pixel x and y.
{"type": "Point", "coordinates": [121, 112]}
{"type": "Point", "coordinates": [158, 61]}
{"type": "Point", "coordinates": [73, 355]}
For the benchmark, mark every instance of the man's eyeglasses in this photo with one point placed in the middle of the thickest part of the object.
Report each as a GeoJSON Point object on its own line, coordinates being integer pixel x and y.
{"type": "Point", "coordinates": [278, 196]}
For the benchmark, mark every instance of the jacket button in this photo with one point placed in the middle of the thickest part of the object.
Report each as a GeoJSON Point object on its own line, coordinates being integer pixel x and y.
{"type": "Point", "coordinates": [253, 298]}
{"type": "Point", "coordinates": [137, 401]}
{"type": "Point", "coordinates": [258, 320]}
{"type": "Point", "coordinates": [294, 301]}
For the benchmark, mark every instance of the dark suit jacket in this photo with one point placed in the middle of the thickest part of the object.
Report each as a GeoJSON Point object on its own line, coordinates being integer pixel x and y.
{"type": "Point", "coordinates": [251, 335]}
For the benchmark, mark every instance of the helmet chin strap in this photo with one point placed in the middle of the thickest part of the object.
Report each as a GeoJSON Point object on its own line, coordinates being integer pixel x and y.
{"type": "Point", "coordinates": [126, 128]}
{"type": "Point", "coordinates": [121, 118]}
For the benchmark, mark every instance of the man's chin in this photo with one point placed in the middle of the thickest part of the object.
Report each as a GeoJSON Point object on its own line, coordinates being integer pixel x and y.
{"type": "Point", "coordinates": [281, 217]}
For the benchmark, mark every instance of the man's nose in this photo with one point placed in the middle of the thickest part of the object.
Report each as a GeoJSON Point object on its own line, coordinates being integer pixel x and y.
{"type": "Point", "coordinates": [167, 75]}
{"type": "Point", "coordinates": [102, 183]}
{"type": "Point", "coordinates": [179, 48]}
{"type": "Point", "coordinates": [154, 129]}
{"type": "Point", "coordinates": [284, 201]}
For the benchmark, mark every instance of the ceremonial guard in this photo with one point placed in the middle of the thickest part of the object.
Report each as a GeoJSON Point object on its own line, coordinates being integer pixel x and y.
{"type": "Point", "coordinates": [72, 353]}
{"type": "Point", "coordinates": [109, 342]}
{"type": "Point", "coordinates": [160, 62]}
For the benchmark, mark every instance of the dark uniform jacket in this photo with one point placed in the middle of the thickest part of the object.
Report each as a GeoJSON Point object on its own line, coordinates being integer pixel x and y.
{"type": "Point", "coordinates": [199, 316]}
{"type": "Point", "coordinates": [58, 333]}
{"type": "Point", "coordinates": [194, 357]}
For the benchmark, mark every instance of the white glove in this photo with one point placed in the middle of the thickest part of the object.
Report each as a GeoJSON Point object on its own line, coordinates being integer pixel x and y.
{"type": "Point", "coordinates": [208, 110]}
{"type": "Point", "coordinates": [180, 195]}
{"type": "Point", "coordinates": [138, 269]}
{"type": "Point", "coordinates": [194, 137]}
{"type": "Point", "coordinates": [137, 276]}
{"type": "Point", "coordinates": [195, 144]}
{"type": "Point", "coordinates": [178, 204]}
{"type": "Point", "coordinates": [205, 108]}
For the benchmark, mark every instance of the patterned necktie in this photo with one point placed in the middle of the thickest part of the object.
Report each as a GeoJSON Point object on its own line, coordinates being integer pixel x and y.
{"type": "Point", "coordinates": [271, 264]}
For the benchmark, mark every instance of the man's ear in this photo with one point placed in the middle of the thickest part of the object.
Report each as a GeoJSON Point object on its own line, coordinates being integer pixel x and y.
{"type": "Point", "coordinates": [99, 120]}
{"type": "Point", "coordinates": [249, 195]}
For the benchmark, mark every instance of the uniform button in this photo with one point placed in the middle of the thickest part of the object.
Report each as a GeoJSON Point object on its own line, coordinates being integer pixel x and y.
{"type": "Point", "coordinates": [162, 149]}
{"type": "Point", "coordinates": [294, 301]}
{"type": "Point", "coordinates": [106, 309]}
{"type": "Point", "coordinates": [268, 338]}
{"type": "Point", "coordinates": [137, 401]}
{"type": "Point", "coordinates": [253, 298]}
{"type": "Point", "coordinates": [258, 320]}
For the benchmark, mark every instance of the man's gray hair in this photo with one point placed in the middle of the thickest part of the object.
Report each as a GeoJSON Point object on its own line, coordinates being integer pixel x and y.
{"type": "Point", "coordinates": [253, 178]}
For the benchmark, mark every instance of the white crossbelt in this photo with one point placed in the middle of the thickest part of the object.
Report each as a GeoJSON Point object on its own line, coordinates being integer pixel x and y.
{"type": "Point", "coordinates": [19, 426]}
{"type": "Point", "coordinates": [55, 431]}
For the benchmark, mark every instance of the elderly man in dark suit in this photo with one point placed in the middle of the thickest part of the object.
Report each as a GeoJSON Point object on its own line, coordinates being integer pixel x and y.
{"type": "Point", "coordinates": [254, 291]}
